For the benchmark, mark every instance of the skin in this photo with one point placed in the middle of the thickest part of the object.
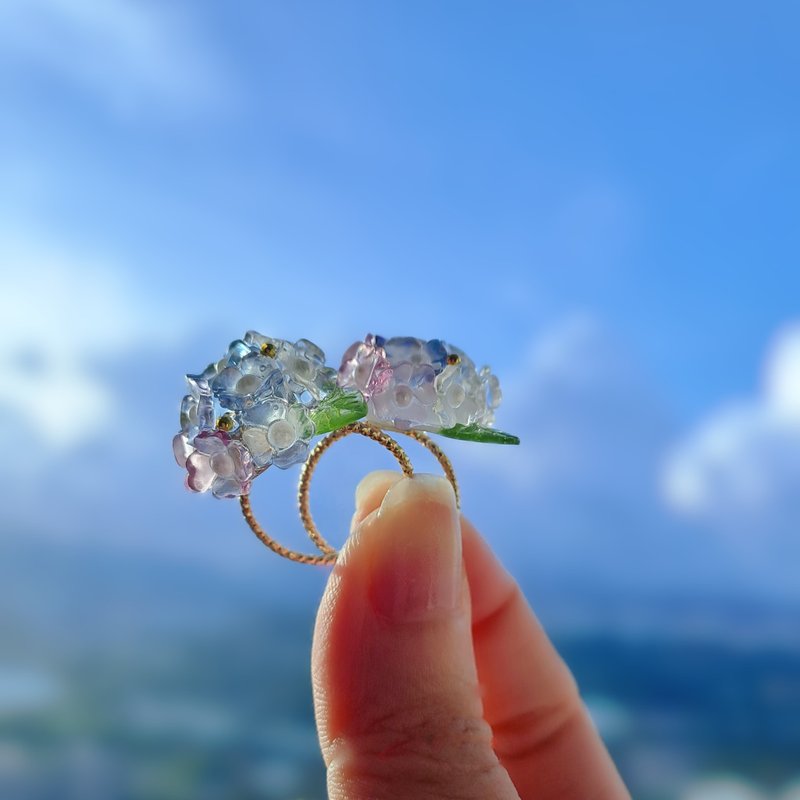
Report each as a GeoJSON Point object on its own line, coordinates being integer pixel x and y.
{"type": "Point", "coordinates": [432, 677]}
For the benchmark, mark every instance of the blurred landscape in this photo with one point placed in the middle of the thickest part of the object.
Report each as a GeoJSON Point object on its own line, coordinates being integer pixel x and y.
{"type": "Point", "coordinates": [148, 679]}
{"type": "Point", "coordinates": [599, 200]}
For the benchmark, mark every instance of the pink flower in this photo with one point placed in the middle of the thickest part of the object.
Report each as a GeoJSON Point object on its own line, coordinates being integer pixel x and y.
{"type": "Point", "coordinates": [365, 367]}
{"type": "Point", "coordinates": [218, 463]}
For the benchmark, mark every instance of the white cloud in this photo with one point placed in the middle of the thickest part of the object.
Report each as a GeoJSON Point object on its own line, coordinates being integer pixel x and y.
{"type": "Point", "coordinates": [742, 463]}
{"type": "Point", "coordinates": [131, 54]}
{"type": "Point", "coordinates": [586, 416]}
{"type": "Point", "coordinates": [594, 433]}
{"type": "Point", "coordinates": [782, 374]}
{"type": "Point", "coordinates": [62, 315]}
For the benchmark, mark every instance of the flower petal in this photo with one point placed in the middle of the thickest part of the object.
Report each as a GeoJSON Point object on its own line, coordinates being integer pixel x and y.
{"type": "Point", "coordinates": [242, 461]}
{"type": "Point", "coordinates": [229, 487]}
{"type": "Point", "coordinates": [295, 454]}
{"type": "Point", "coordinates": [211, 442]}
{"type": "Point", "coordinates": [181, 449]}
{"type": "Point", "coordinates": [255, 439]}
{"type": "Point", "coordinates": [200, 475]}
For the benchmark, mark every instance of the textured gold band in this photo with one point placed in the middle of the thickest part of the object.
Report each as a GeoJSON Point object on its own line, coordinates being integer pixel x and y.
{"type": "Point", "coordinates": [328, 553]}
{"type": "Point", "coordinates": [292, 555]}
{"type": "Point", "coordinates": [307, 471]}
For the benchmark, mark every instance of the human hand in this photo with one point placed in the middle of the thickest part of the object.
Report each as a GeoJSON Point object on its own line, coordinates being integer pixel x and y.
{"type": "Point", "coordinates": [432, 677]}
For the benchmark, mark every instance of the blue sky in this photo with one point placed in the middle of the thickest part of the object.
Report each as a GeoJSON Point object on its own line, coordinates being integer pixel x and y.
{"type": "Point", "coordinates": [598, 199]}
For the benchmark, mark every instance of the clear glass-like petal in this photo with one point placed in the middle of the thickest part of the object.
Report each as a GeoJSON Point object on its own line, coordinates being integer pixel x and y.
{"type": "Point", "coordinates": [226, 381]}
{"type": "Point", "coordinates": [494, 395]}
{"type": "Point", "coordinates": [365, 367]}
{"type": "Point", "coordinates": [295, 454]}
{"type": "Point", "coordinates": [422, 382]}
{"type": "Point", "coordinates": [211, 443]}
{"type": "Point", "coordinates": [237, 350]}
{"type": "Point", "coordinates": [242, 461]}
{"type": "Point", "coordinates": [258, 340]}
{"type": "Point", "coordinates": [200, 474]}
{"type": "Point", "coordinates": [436, 354]}
{"type": "Point", "coordinates": [265, 411]}
{"type": "Point", "coordinates": [188, 416]}
{"type": "Point", "coordinates": [400, 349]}
{"type": "Point", "coordinates": [181, 449]}
{"type": "Point", "coordinates": [205, 413]}
{"type": "Point", "coordinates": [197, 385]}
{"type": "Point", "coordinates": [255, 439]}
{"type": "Point", "coordinates": [311, 351]}
{"type": "Point", "coordinates": [240, 386]}
{"type": "Point", "coordinates": [229, 487]}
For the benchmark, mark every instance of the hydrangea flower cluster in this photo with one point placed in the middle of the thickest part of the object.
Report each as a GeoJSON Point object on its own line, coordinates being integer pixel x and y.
{"type": "Point", "coordinates": [413, 384]}
{"type": "Point", "coordinates": [265, 399]}
{"type": "Point", "coordinates": [250, 410]}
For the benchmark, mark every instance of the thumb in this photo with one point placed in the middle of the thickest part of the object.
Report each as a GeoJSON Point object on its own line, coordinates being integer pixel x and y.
{"type": "Point", "coordinates": [395, 683]}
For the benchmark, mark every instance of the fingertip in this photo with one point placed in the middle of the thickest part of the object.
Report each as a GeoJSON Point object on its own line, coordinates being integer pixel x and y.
{"type": "Point", "coordinates": [371, 491]}
{"type": "Point", "coordinates": [413, 549]}
{"type": "Point", "coordinates": [410, 496]}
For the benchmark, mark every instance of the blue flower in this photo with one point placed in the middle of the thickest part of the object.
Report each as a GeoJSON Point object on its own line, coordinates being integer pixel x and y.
{"type": "Point", "coordinates": [277, 433]}
{"type": "Point", "coordinates": [302, 364]}
{"type": "Point", "coordinates": [240, 384]}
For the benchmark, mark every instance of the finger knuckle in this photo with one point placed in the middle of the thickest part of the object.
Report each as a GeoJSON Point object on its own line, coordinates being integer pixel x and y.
{"type": "Point", "coordinates": [531, 732]}
{"type": "Point", "coordinates": [436, 752]}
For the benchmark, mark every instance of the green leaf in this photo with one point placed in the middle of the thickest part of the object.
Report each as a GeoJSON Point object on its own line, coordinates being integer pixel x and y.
{"type": "Point", "coordinates": [338, 409]}
{"type": "Point", "coordinates": [478, 433]}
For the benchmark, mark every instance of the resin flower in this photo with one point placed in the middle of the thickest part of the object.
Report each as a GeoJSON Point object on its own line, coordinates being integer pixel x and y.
{"type": "Point", "coordinates": [246, 378]}
{"type": "Point", "coordinates": [302, 365]}
{"type": "Point", "coordinates": [277, 433]}
{"type": "Point", "coordinates": [258, 406]}
{"type": "Point", "coordinates": [219, 463]}
{"type": "Point", "coordinates": [408, 399]}
{"type": "Point", "coordinates": [365, 366]}
{"type": "Point", "coordinates": [181, 449]}
{"type": "Point", "coordinates": [424, 385]}
{"type": "Point", "coordinates": [197, 414]}
{"type": "Point", "coordinates": [403, 349]}
{"type": "Point", "coordinates": [462, 392]}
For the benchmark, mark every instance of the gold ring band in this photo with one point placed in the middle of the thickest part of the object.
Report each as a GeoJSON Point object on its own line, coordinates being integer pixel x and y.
{"type": "Point", "coordinates": [328, 553]}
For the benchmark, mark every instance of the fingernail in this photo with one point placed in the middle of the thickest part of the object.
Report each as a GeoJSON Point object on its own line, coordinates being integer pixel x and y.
{"type": "Point", "coordinates": [415, 551]}
{"type": "Point", "coordinates": [368, 496]}
{"type": "Point", "coordinates": [371, 481]}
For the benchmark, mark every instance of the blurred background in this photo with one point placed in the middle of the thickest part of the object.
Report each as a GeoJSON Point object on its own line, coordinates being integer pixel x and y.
{"type": "Point", "coordinates": [599, 200]}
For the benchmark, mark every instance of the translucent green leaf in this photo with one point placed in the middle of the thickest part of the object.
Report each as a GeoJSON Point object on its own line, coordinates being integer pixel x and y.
{"type": "Point", "coordinates": [338, 409]}
{"type": "Point", "coordinates": [478, 433]}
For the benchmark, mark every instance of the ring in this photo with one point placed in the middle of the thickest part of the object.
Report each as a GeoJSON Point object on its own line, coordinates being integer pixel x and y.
{"type": "Point", "coordinates": [266, 399]}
